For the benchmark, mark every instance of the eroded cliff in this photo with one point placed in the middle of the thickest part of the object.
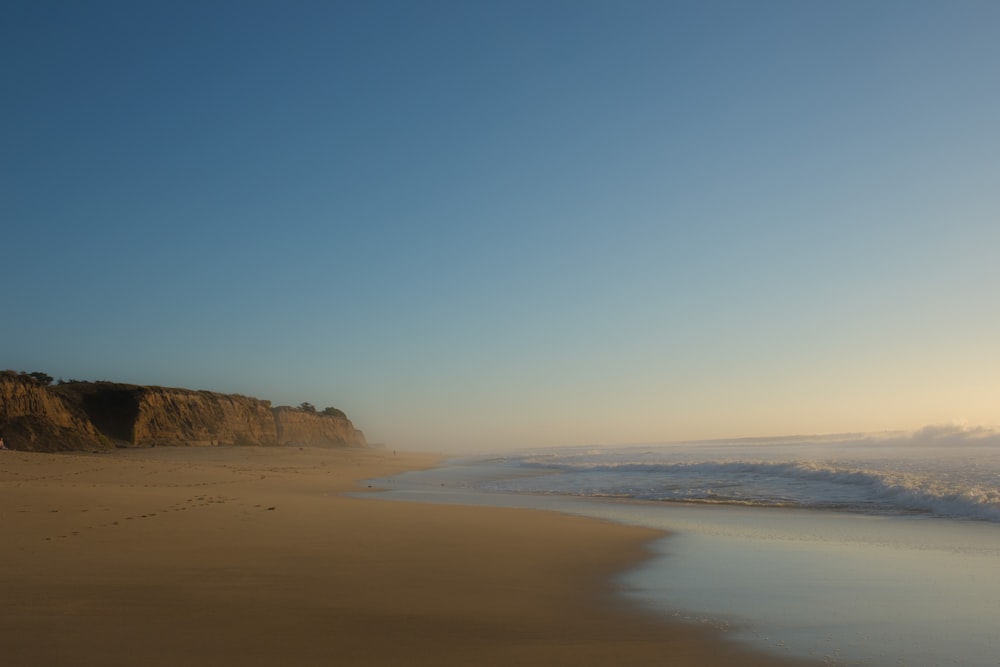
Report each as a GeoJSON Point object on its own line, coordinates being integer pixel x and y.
{"type": "Point", "coordinates": [330, 427]}
{"type": "Point", "coordinates": [185, 417]}
{"type": "Point", "coordinates": [34, 418]}
{"type": "Point", "coordinates": [96, 415]}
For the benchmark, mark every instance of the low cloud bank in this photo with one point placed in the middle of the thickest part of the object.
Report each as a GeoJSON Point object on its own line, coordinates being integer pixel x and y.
{"type": "Point", "coordinates": [936, 435]}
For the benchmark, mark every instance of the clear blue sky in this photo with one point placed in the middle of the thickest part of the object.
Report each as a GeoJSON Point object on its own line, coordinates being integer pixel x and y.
{"type": "Point", "coordinates": [491, 224]}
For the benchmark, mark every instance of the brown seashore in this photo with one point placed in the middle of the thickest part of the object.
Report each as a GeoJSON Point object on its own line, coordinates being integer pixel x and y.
{"type": "Point", "coordinates": [255, 556]}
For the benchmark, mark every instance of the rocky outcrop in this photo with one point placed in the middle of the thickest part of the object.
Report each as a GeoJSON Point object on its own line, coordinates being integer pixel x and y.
{"type": "Point", "coordinates": [185, 417]}
{"type": "Point", "coordinates": [95, 415]}
{"type": "Point", "coordinates": [34, 418]}
{"type": "Point", "coordinates": [330, 427]}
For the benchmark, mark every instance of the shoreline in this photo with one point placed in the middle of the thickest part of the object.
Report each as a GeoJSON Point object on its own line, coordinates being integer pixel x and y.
{"type": "Point", "coordinates": [259, 556]}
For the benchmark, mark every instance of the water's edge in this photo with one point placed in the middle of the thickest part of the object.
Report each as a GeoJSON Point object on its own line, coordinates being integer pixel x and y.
{"type": "Point", "coordinates": [846, 589]}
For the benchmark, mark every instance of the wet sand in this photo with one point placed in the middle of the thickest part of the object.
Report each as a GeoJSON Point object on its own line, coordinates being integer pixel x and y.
{"type": "Point", "coordinates": [254, 556]}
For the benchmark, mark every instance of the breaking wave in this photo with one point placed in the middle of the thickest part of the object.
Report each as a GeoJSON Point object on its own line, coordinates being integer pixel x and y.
{"type": "Point", "coordinates": [899, 476]}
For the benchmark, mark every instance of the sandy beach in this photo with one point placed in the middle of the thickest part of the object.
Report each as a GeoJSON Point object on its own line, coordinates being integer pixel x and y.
{"type": "Point", "coordinates": [255, 556]}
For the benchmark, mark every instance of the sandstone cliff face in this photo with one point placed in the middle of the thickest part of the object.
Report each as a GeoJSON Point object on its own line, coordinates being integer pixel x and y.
{"type": "Point", "coordinates": [99, 415]}
{"type": "Point", "coordinates": [32, 418]}
{"type": "Point", "coordinates": [185, 417]}
{"type": "Point", "coordinates": [301, 427]}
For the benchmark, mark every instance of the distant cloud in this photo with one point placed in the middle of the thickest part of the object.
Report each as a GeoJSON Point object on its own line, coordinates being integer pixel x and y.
{"type": "Point", "coordinates": [955, 433]}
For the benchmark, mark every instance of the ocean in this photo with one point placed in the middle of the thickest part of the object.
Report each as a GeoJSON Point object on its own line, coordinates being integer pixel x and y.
{"type": "Point", "coordinates": [876, 550]}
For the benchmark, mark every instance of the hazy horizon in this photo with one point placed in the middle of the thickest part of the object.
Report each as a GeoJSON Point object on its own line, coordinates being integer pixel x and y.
{"type": "Point", "coordinates": [513, 224]}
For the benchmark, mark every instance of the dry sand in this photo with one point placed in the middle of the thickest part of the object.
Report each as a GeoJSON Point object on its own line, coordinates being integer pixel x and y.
{"type": "Point", "coordinates": [254, 556]}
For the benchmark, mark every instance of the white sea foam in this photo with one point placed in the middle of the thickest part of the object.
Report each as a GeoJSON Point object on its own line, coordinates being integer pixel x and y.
{"type": "Point", "coordinates": [876, 572]}
{"type": "Point", "coordinates": [937, 471]}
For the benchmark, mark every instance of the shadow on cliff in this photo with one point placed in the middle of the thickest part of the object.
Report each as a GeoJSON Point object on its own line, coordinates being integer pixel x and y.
{"type": "Point", "coordinates": [36, 416]}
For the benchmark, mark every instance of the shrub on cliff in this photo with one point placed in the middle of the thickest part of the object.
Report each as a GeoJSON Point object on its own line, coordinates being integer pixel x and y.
{"type": "Point", "coordinates": [37, 376]}
{"type": "Point", "coordinates": [44, 378]}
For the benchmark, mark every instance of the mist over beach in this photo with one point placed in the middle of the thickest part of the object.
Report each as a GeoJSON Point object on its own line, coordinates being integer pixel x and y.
{"type": "Point", "coordinates": [684, 259]}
